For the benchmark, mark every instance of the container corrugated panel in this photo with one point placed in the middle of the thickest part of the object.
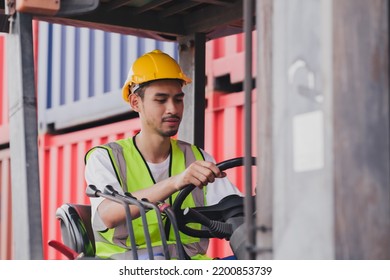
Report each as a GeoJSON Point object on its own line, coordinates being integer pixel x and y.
{"type": "Point", "coordinates": [62, 171]}
{"type": "Point", "coordinates": [4, 124]}
{"type": "Point", "coordinates": [226, 57]}
{"type": "Point", "coordinates": [224, 138]}
{"type": "Point", "coordinates": [5, 206]}
{"type": "Point", "coordinates": [81, 66]}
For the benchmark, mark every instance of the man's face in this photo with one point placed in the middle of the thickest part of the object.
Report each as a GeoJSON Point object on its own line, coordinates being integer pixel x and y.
{"type": "Point", "coordinates": [162, 107]}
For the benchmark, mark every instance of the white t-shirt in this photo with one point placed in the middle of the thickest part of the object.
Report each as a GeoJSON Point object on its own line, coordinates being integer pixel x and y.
{"type": "Point", "coordinates": [99, 172]}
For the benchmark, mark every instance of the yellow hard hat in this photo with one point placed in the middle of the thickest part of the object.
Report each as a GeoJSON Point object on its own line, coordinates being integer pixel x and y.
{"type": "Point", "coordinates": [154, 65]}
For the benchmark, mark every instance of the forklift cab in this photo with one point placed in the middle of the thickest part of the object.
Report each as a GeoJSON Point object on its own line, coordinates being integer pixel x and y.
{"type": "Point", "coordinates": [191, 24]}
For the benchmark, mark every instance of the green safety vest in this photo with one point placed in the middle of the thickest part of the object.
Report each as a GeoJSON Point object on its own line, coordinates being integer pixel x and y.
{"type": "Point", "coordinates": [133, 174]}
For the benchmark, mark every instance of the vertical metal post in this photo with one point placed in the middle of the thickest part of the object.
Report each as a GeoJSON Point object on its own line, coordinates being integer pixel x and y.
{"type": "Point", "coordinates": [26, 206]}
{"type": "Point", "coordinates": [361, 129]}
{"type": "Point", "coordinates": [264, 88]}
{"type": "Point", "coordinates": [200, 88]}
{"type": "Point", "coordinates": [323, 150]}
{"type": "Point", "coordinates": [249, 221]}
{"type": "Point", "coordinates": [192, 59]}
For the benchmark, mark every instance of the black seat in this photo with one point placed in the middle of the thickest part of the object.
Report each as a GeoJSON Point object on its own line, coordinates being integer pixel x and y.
{"type": "Point", "coordinates": [76, 229]}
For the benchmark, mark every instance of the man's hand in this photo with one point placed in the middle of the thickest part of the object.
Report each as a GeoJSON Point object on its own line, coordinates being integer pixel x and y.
{"type": "Point", "coordinates": [199, 173]}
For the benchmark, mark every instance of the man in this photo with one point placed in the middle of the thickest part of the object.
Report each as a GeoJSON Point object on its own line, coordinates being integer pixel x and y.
{"type": "Point", "coordinates": [151, 164]}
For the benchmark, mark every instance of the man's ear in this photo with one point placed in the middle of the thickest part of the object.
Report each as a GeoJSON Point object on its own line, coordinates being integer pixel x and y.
{"type": "Point", "coordinates": [134, 102]}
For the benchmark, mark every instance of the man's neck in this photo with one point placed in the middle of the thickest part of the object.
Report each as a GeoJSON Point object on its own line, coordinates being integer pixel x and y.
{"type": "Point", "coordinates": [154, 148]}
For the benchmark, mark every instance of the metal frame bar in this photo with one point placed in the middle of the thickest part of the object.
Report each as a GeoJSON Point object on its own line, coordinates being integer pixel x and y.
{"type": "Point", "coordinates": [264, 90]}
{"type": "Point", "coordinates": [192, 58]}
{"type": "Point", "coordinates": [26, 203]}
{"type": "Point", "coordinates": [248, 205]}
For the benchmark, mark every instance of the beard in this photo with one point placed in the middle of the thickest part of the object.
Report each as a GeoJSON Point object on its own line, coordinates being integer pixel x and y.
{"type": "Point", "coordinates": [169, 133]}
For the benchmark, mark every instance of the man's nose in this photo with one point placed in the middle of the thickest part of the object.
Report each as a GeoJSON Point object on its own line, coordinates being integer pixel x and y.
{"type": "Point", "coordinates": [171, 107]}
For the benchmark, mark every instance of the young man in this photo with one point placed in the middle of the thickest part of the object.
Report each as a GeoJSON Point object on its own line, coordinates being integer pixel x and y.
{"type": "Point", "coordinates": [151, 164]}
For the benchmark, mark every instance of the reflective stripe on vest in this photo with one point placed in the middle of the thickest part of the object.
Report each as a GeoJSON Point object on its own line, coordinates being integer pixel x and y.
{"type": "Point", "coordinates": [134, 174]}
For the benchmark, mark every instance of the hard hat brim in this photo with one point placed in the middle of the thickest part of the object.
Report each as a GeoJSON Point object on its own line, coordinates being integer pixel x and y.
{"type": "Point", "coordinates": [129, 87]}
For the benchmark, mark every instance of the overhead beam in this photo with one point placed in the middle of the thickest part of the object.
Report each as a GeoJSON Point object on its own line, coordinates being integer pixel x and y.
{"type": "Point", "coordinates": [215, 2]}
{"type": "Point", "coordinates": [212, 20]}
{"type": "Point", "coordinates": [149, 6]}
{"type": "Point", "coordinates": [204, 19]}
{"type": "Point", "coordinates": [123, 21]}
{"type": "Point", "coordinates": [178, 8]}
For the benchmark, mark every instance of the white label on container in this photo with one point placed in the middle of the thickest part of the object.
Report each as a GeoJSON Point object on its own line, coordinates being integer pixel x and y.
{"type": "Point", "coordinates": [308, 141]}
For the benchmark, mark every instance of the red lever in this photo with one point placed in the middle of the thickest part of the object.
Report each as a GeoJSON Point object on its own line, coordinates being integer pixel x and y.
{"type": "Point", "coordinates": [65, 250]}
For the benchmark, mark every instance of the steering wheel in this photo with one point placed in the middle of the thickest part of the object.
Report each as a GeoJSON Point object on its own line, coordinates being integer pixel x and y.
{"type": "Point", "coordinates": [214, 217]}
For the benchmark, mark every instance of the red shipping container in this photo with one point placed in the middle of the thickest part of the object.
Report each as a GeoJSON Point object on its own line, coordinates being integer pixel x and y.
{"type": "Point", "coordinates": [5, 206]}
{"type": "Point", "coordinates": [226, 56]}
{"type": "Point", "coordinates": [224, 138]}
{"type": "Point", "coordinates": [4, 124]}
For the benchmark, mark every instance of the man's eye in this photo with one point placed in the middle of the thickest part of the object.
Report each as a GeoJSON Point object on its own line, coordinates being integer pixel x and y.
{"type": "Point", "coordinates": [160, 100]}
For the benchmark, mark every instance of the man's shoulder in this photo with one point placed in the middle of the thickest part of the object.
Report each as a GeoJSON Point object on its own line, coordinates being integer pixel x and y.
{"type": "Point", "coordinates": [116, 144]}
{"type": "Point", "coordinates": [104, 149]}
{"type": "Point", "coordinates": [182, 142]}
{"type": "Point", "coordinates": [207, 156]}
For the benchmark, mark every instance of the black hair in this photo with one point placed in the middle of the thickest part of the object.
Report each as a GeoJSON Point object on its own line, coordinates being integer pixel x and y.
{"type": "Point", "coordinates": [140, 91]}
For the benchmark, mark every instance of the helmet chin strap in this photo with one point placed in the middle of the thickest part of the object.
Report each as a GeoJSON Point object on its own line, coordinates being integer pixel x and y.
{"type": "Point", "coordinates": [134, 88]}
